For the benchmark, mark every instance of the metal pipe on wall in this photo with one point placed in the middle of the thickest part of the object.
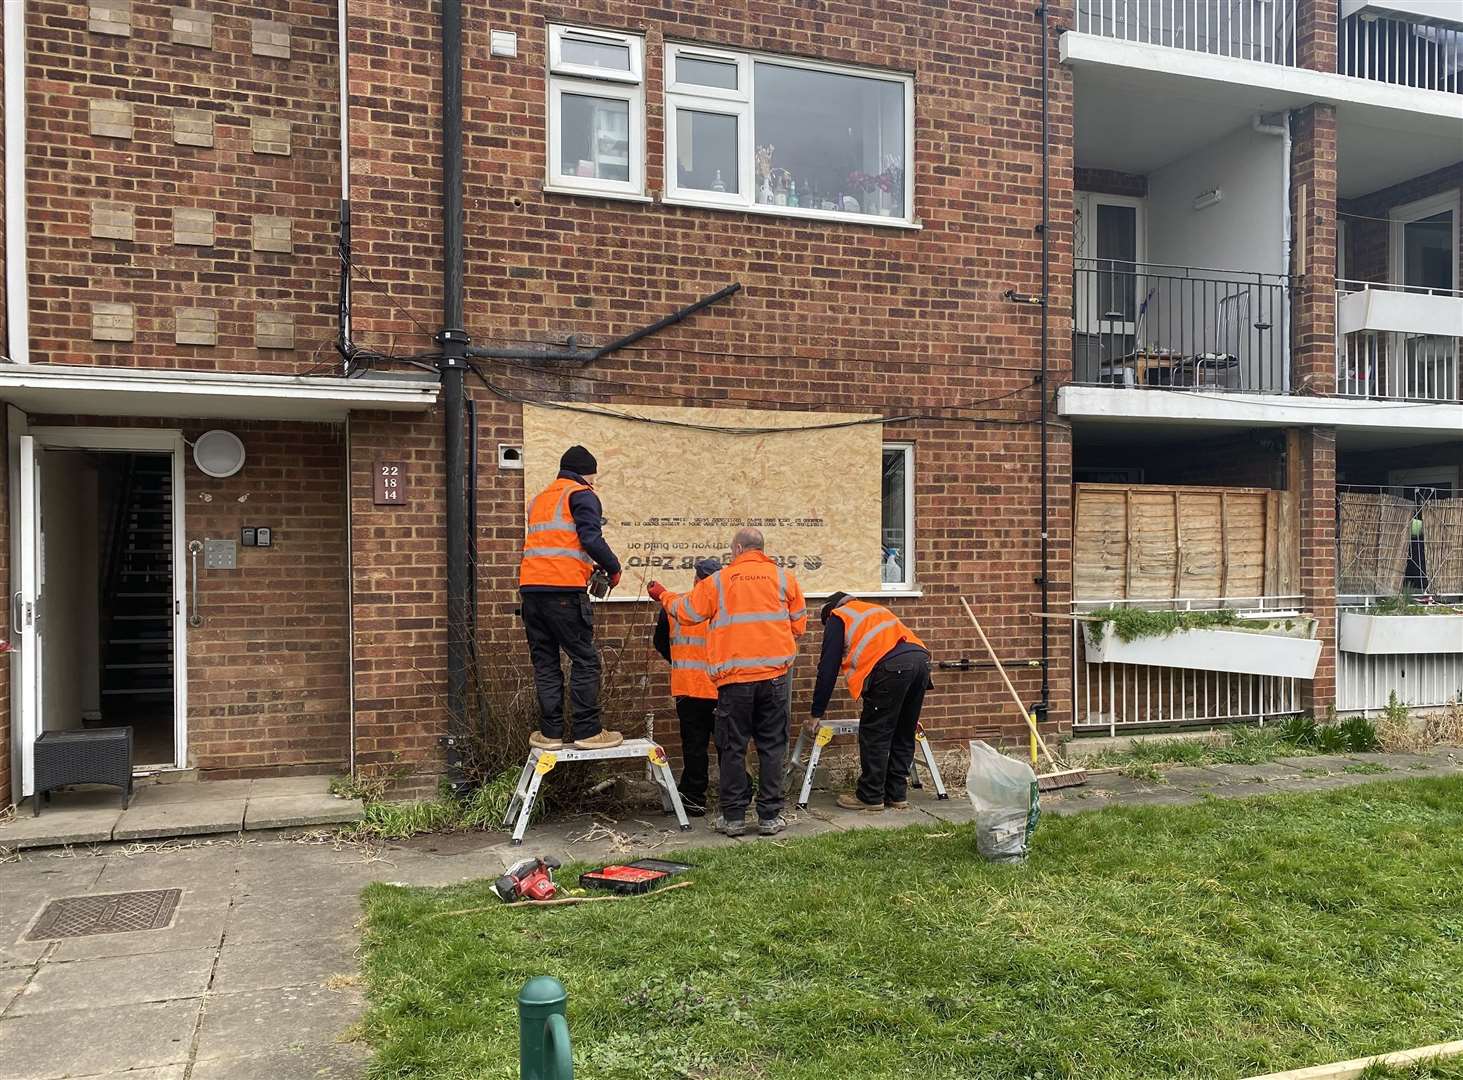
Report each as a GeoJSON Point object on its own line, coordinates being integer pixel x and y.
{"type": "Point", "coordinates": [1046, 273]}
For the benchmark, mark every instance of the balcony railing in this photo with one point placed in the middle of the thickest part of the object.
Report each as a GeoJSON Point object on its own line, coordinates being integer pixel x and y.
{"type": "Point", "coordinates": [1426, 55]}
{"type": "Point", "coordinates": [1263, 30]}
{"type": "Point", "coordinates": [1397, 343]}
{"type": "Point", "coordinates": [1147, 325]}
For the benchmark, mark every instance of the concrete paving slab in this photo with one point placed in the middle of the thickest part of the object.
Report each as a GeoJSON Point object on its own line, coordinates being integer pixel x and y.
{"type": "Point", "coordinates": [1331, 763]}
{"type": "Point", "coordinates": [293, 811]}
{"type": "Point", "coordinates": [1115, 783]}
{"type": "Point", "coordinates": [289, 785]}
{"type": "Point", "coordinates": [263, 918]}
{"type": "Point", "coordinates": [1242, 774]}
{"type": "Point", "coordinates": [166, 1072]}
{"type": "Point", "coordinates": [277, 964]}
{"type": "Point", "coordinates": [190, 818]}
{"type": "Point", "coordinates": [12, 981]}
{"type": "Point", "coordinates": [46, 1046]}
{"type": "Point", "coordinates": [1192, 778]}
{"type": "Point", "coordinates": [315, 1017]}
{"type": "Point", "coordinates": [342, 1062]}
{"type": "Point", "coordinates": [196, 792]}
{"type": "Point", "coordinates": [114, 980]}
{"type": "Point", "coordinates": [72, 817]}
{"type": "Point", "coordinates": [199, 924]}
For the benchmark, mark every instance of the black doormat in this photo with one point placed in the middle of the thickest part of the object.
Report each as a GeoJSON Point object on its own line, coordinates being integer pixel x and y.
{"type": "Point", "coordinates": [117, 913]}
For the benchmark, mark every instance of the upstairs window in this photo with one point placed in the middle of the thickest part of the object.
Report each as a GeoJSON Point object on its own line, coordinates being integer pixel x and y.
{"type": "Point", "coordinates": [787, 136]}
{"type": "Point", "coordinates": [596, 111]}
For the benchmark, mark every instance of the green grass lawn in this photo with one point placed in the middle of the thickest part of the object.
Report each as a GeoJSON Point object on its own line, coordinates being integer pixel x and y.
{"type": "Point", "coordinates": [1216, 940]}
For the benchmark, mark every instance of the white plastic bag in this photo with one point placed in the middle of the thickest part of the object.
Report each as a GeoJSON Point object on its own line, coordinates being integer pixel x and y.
{"type": "Point", "coordinates": [1006, 800]}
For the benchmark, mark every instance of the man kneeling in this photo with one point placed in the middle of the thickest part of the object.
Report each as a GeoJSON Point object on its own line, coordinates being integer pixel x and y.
{"type": "Point", "coordinates": [889, 668]}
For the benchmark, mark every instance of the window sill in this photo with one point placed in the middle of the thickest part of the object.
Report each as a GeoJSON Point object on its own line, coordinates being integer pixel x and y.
{"type": "Point", "coordinates": [619, 196]}
{"type": "Point", "coordinates": [797, 213]}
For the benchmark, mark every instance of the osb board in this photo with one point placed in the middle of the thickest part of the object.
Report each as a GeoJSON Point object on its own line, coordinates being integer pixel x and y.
{"type": "Point", "coordinates": [1442, 531]}
{"type": "Point", "coordinates": [673, 495]}
{"type": "Point", "coordinates": [1153, 542]}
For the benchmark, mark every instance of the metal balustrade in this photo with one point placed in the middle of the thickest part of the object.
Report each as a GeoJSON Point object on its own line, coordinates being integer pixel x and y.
{"type": "Point", "coordinates": [1262, 30]}
{"type": "Point", "coordinates": [1395, 365]}
{"type": "Point", "coordinates": [1421, 54]}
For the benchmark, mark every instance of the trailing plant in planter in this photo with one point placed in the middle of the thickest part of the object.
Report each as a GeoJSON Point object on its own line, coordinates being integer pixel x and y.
{"type": "Point", "coordinates": [1130, 624]}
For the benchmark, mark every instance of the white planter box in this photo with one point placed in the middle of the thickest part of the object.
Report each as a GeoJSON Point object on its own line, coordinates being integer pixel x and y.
{"type": "Point", "coordinates": [1240, 651]}
{"type": "Point", "coordinates": [1394, 635]}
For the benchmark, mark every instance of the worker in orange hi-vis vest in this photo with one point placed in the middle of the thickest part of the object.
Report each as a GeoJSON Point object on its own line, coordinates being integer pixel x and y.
{"type": "Point", "coordinates": [755, 612]}
{"type": "Point", "coordinates": [684, 648]}
{"type": "Point", "coordinates": [888, 667]}
{"type": "Point", "coordinates": [562, 545]}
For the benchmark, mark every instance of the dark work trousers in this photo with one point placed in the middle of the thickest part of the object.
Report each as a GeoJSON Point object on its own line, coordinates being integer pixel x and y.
{"type": "Point", "coordinates": [893, 697]}
{"type": "Point", "coordinates": [698, 725]}
{"type": "Point", "coordinates": [554, 621]}
{"type": "Point", "coordinates": [753, 712]}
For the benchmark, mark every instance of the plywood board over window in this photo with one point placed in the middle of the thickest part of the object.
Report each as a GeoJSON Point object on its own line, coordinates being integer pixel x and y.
{"type": "Point", "coordinates": [677, 492]}
{"type": "Point", "coordinates": [1152, 542]}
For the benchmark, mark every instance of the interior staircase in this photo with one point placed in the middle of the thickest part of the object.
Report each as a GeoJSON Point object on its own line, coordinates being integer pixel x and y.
{"type": "Point", "coordinates": [137, 603]}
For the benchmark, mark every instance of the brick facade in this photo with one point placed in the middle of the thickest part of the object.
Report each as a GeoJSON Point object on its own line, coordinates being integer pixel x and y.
{"type": "Point", "coordinates": [1368, 230]}
{"type": "Point", "coordinates": [1312, 461]}
{"type": "Point", "coordinates": [1313, 252]}
{"type": "Point", "coordinates": [1317, 43]}
{"type": "Point", "coordinates": [1112, 182]}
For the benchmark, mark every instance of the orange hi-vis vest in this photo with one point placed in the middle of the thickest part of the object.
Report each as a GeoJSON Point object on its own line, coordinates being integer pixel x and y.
{"type": "Point", "coordinates": [690, 670]}
{"type": "Point", "coordinates": [552, 554]}
{"type": "Point", "coordinates": [869, 632]}
{"type": "Point", "coordinates": [754, 611]}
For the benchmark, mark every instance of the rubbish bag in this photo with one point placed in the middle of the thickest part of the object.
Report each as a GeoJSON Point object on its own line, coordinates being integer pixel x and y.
{"type": "Point", "coordinates": [1006, 800]}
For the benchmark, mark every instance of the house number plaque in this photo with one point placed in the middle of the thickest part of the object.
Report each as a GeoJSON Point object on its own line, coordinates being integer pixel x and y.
{"type": "Point", "coordinates": [390, 484]}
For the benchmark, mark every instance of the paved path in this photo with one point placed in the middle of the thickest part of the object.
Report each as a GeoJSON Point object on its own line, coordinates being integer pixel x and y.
{"type": "Point", "coordinates": [257, 977]}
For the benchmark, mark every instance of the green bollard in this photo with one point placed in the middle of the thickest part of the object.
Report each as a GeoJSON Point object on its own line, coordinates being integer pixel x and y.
{"type": "Point", "coordinates": [543, 1031]}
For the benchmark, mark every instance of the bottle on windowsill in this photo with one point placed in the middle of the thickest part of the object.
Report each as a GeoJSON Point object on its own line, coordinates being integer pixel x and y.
{"type": "Point", "coordinates": [718, 184]}
{"type": "Point", "coordinates": [792, 193]}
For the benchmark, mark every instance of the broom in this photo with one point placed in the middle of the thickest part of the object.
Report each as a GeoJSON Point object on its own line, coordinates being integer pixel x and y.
{"type": "Point", "coordinates": [1062, 775]}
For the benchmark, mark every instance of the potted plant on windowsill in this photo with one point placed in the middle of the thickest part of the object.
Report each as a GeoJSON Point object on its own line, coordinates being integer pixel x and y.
{"type": "Point", "coordinates": [1402, 626]}
{"type": "Point", "coordinates": [1203, 640]}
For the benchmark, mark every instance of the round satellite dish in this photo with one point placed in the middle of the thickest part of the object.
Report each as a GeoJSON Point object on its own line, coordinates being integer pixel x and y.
{"type": "Point", "coordinates": [218, 453]}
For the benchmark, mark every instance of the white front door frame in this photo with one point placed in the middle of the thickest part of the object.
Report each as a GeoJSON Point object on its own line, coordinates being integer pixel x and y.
{"type": "Point", "coordinates": [1402, 216]}
{"type": "Point", "coordinates": [150, 440]}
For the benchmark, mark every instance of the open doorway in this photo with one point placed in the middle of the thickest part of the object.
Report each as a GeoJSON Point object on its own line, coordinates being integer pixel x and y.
{"type": "Point", "coordinates": [108, 599]}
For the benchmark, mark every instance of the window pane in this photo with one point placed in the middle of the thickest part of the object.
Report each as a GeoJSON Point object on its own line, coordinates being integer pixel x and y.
{"type": "Point", "coordinates": [828, 141]}
{"type": "Point", "coordinates": [706, 151]}
{"type": "Point", "coordinates": [895, 528]}
{"type": "Point", "coordinates": [1428, 252]}
{"type": "Point", "coordinates": [700, 72]}
{"type": "Point", "coordinates": [597, 54]}
{"type": "Point", "coordinates": [1117, 248]}
{"type": "Point", "coordinates": [595, 137]}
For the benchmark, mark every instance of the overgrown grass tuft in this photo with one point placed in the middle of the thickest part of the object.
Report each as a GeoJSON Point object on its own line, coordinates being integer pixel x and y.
{"type": "Point", "coordinates": [1449, 1069]}
{"type": "Point", "coordinates": [1202, 942]}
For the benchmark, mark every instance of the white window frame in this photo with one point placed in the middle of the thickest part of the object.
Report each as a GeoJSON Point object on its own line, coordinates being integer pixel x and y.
{"type": "Point", "coordinates": [1404, 215]}
{"type": "Point", "coordinates": [741, 103]}
{"type": "Point", "coordinates": [1089, 319]}
{"type": "Point", "coordinates": [626, 86]}
{"type": "Point", "coordinates": [909, 582]}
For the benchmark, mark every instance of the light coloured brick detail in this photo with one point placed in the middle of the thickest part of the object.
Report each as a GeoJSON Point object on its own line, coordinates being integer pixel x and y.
{"type": "Point", "coordinates": [272, 233]}
{"type": "Point", "coordinates": [111, 17]}
{"type": "Point", "coordinates": [271, 135]}
{"type": "Point", "coordinates": [192, 227]}
{"type": "Point", "coordinates": [274, 329]}
{"type": "Point", "coordinates": [270, 38]}
{"type": "Point", "coordinates": [195, 326]}
{"type": "Point", "coordinates": [111, 322]}
{"type": "Point", "coordinates": [112, 221]}
{"type": "Point", "coordinates": [110, 119]}
{"type": "Point", "coordinates": [192, 127]}
{"type": "Point", "coordinates": [192, 27]}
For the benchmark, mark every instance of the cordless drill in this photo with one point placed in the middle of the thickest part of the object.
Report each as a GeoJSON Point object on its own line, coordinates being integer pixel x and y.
{"type": "Point", "coordinates": [529, 879]}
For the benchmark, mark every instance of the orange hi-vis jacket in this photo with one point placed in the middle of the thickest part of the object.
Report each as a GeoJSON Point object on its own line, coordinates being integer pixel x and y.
{"type": "Point", "coordinates": [755, 613]}
{"type": "Point", "coordinates": [869, 632]}
{"type": "Point", "coordinates": [690, 670]}
{"type": "Point", "coordinates": [552, 554]}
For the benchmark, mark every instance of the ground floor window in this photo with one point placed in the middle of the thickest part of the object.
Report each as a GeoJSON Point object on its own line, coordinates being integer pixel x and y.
{"type": "Point", "coordinates": [897, 532]}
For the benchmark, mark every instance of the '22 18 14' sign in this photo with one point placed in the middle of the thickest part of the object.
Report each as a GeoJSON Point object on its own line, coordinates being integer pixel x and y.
{"type": "Point", "coordinates": [389, 488]}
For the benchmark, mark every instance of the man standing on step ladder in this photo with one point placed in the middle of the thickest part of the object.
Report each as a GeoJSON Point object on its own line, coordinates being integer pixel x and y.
{"type": "Point", "coordinates": [756, 613]}
{"type": "Point", "coordinates": [684, 648]}
{"type": "Point", "coordinates": [561, 548]}
{"type": "Point", "coordinates": [889, 667]}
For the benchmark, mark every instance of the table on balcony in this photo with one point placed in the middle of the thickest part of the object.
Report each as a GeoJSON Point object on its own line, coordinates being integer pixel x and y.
{"type": "Point", "coordinates": [1167, 367]}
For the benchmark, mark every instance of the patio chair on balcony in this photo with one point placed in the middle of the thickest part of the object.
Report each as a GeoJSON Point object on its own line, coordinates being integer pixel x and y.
{"type": "Point", "coordinates": [1218, 366]}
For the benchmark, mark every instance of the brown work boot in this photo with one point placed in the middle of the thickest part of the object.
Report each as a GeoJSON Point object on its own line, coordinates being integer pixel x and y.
{"type": "Point", "coordinates": [850, 801]}
{"type": "Point", "coordinates": [539, 741]}
{"type": "Point", "coordinates": [896, 804]}
{"type": "Point", "coordinates": [605, 740]}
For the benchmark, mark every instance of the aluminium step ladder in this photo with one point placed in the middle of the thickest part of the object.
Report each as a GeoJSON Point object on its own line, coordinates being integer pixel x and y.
{"type": "Point", "coordinates": [821, 734]}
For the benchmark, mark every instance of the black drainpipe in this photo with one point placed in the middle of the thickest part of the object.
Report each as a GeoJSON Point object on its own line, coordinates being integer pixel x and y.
{"type": "Point", "coordinates": [453, 340]}
{"type": "Point", "coordinates": [1046, 270]}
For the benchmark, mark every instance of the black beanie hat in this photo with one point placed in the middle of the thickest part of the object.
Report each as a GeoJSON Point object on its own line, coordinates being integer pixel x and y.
{"type": "Point", "coordinates": [576, 459]}
{"type": "Point", "coordinates": [706, 567]}
{"type": "Point", "coordinates": [833, 601]}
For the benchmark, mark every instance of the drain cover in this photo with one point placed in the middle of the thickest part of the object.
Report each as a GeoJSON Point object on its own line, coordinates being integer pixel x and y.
{"type": "Point", "coordinates": [118, 913]}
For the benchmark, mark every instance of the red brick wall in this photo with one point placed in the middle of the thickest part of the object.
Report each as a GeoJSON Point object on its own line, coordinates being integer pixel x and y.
{"type": "Point", "coordinates": [1368, 232]}
{"type": "Point", "coordinates": [1112, 182]}
{"type": "Point", "coordinates": [267, 670]}
{"type": "Point", "coordinates": [1316, 34]}
{"type": "Point", "coordinates": [5, 793]}
{"type": "Point", "coordinates": [69, 167]}
{"type": "Point", "coordinates": [839, 315]}
{"type": "Point", "coordinates": [1313, 471]}
{"type": "Point", "coordinates": [1313, 254]}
